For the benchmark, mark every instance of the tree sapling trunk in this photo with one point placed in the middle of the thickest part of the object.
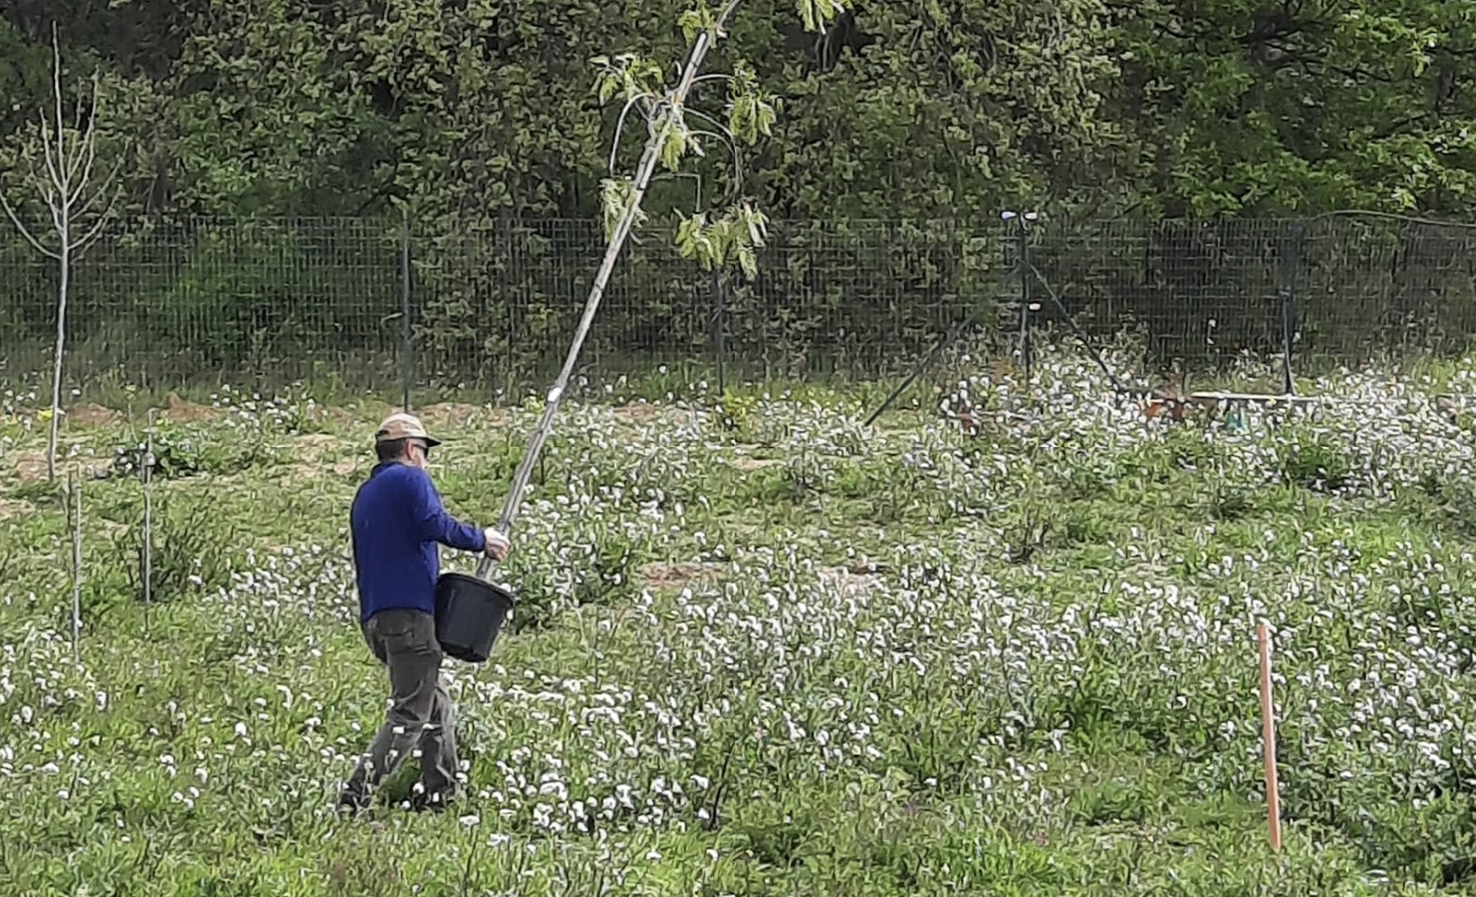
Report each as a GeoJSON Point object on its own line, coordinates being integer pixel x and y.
{"type": "Point", "coordinates": [65, 189]}
{"type": "Point", "coordinates": [670, 138]}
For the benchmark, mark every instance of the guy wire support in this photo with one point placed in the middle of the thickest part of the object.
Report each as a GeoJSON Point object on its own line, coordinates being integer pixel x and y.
{"type": "Point", "coordinates": [939, 348]}
{"type": "Point", "coordinates": [1022, 267]}
{"type": "Point", "coordinates": [1086, 342]}
{"type": "Point", "coordinates": [1291, 262]}
{"type": "Point", "coordinates": [1013, 266]}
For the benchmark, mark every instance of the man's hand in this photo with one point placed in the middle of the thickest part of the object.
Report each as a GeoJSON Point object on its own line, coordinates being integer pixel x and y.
{"type": "Point", "coordinates": [497, 545]}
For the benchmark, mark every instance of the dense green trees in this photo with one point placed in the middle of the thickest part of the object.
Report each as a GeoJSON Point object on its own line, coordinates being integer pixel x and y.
{"type": "Point", "coordinates": [473, 114]}
{"type": "Point", "coordinates": [952, 108]}
{"type": "Point", "coordinates": [1301, 106]}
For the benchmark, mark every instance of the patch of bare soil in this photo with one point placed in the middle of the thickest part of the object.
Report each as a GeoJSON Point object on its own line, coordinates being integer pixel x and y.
{"type": "Point", "coordinates": [9, 509]}
{"type": "Point", "coordinates": [747, 464]}
{"type": "Point", "coordinates": [668, 576]}
{"type": "Point", "coordinates": [312, 446]}
{"type": "Point", "coordinates": [315, 454]}
{"type": "Point", "coordinates": [88, 414]}
{"type": "Point", "coordinates": [451, 414]}
{"type": "Point", "coordinates": [637, 413]}
{"type": "Point", "coordinates": [30, 466]}
{"type": "Point", "coordinates": [304, 474]}
{"type": "Point", "coordinates": [341, 417]}
{"type": "Point", "coordinates": [183, 412]}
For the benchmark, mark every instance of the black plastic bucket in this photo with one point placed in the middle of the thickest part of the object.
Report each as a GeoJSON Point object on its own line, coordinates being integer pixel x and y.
{"type": "Point", "coordinates": [469, 614]}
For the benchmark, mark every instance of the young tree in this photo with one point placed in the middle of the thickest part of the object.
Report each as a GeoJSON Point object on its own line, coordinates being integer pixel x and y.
{"type": "Point", "coordinates": [65, 187]}
{"type": "Point", "coordinates": [674, 129]}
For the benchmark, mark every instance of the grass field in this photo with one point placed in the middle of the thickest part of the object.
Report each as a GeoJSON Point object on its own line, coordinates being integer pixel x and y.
{"type": "Point", "coordinates": [763, 650]}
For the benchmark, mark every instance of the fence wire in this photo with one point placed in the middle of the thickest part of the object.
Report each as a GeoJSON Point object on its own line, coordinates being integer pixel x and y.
{"type": "Point", "coordinates": [174, 303]}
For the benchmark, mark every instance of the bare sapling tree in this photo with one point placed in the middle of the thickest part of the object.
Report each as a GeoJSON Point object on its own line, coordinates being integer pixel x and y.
{"type": "Point", "coordinates": [78, 206]}
{"type": "Point", "coordinates": [675, 131]}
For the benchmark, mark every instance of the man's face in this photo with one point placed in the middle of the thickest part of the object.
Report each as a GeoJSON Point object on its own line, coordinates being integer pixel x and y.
{"type": "Point", "coordinates": [417, 454]}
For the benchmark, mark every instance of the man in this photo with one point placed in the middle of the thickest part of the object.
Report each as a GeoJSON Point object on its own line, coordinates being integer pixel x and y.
{"type": "Point", "coordinates": [397, 523]}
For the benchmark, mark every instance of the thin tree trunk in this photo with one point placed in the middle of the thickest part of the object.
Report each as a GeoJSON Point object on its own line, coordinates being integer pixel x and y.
{"type": "Point", "coordinates": [65, 263]}
{"type": "Point", "coordinates": [644, 171]}
{"type": "Point", "coordinates": [148, 525]}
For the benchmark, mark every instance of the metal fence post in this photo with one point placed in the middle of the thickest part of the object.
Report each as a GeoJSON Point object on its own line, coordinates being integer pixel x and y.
{"type": "Point", "coordinates": [1291, 261]}
{"type": "Point", "coordinates": [1025, 300]}
{"type": "Point", "coordinates": [1022, 262]}
{"type": "Point", "coordinates": [719, 328]}
{"type": "Point", "coordinates": [405, 331]}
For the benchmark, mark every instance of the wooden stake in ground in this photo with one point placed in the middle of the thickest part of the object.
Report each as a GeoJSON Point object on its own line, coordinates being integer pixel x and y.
{"type": "Point", "coordinates": [1268, 733]}
{"type": "Point", "coordinates": [66, 191]}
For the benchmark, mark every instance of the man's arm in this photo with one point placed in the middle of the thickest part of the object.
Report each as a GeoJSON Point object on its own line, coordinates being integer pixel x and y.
{"type": "Point", "coordinates": [438, 526]}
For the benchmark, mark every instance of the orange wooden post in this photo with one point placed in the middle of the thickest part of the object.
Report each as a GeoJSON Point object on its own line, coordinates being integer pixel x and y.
{"type": "Point", "coordinates": [1268, 728]}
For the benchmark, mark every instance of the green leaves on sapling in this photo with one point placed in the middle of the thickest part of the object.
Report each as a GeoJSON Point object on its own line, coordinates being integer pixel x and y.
{"type": "Point", "coordinates": [676, 139]}
{"type": "Point", "coordinates": [732, 238]}
{"type": "Point", "coordinates": [628, 76]}
{"type": "Point", "coordinates": [751, 113]}
{"type": "Point", "coordinates": [616, 197]}
{"type": "Point", "coordinates": [697, 20]}
{"type": "Point", "coordinates": [816, 14]}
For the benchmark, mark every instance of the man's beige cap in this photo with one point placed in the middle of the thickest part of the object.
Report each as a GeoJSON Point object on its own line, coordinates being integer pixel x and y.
{"type": "Point", "coordinates": [403, 426]}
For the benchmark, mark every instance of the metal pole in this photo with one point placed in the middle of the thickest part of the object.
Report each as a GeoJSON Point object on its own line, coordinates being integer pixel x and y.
{"type": "Point", "coordinates": [1291, 263]}
{"type": "Point", "coordinates": [719, 329]}
{"type": "Point", "coordinates": [405, 330]}
{"type": "Point", "coordinates": [1023, 260]}
{"type": "Point", "coordinates": [148, 525]}
{"type": "Point", "coordinates": [76, 509]}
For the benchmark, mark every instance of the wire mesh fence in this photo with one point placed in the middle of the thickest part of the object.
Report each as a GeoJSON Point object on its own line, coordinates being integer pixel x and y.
{"type": "Point", "coordinates": [372, 302]}
{"type": "Point", "coordinates": [205, 299]}
{"type": "Point", "coordinates": [1198, 292]}
{"type": "Point", "coordinates": [1389, 286]}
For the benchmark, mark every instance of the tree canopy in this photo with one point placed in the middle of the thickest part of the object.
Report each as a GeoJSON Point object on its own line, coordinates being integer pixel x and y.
{"type": "Point", "coordinates": [481, 109]}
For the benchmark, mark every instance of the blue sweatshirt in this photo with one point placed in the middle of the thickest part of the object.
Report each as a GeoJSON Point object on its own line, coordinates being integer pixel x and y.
{"type": "Point", "coordinates": [396, 523]}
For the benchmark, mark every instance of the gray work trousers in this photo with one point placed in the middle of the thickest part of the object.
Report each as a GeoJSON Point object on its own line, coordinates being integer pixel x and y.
{"type": "Point", "coordinates": [420, 713]}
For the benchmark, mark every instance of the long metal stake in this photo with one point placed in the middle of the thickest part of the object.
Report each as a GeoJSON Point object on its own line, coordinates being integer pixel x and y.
{"type": "Point", "coordinates": [719, 328]}
{"type": "Point", "coordinates": [76, 488]}
{"type": "Point", "coordinates": [1023, 248]}
{"type": "Point", "coordinates": [644, 172]}
{"type": "Point", "coordinates": [147, 560]}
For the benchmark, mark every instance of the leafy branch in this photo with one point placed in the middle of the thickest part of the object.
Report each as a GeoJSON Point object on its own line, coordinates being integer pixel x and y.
{"type": "Point", "coordinates": [728, 238]}
{"type": "Point", "coordinates": [676, 131]}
